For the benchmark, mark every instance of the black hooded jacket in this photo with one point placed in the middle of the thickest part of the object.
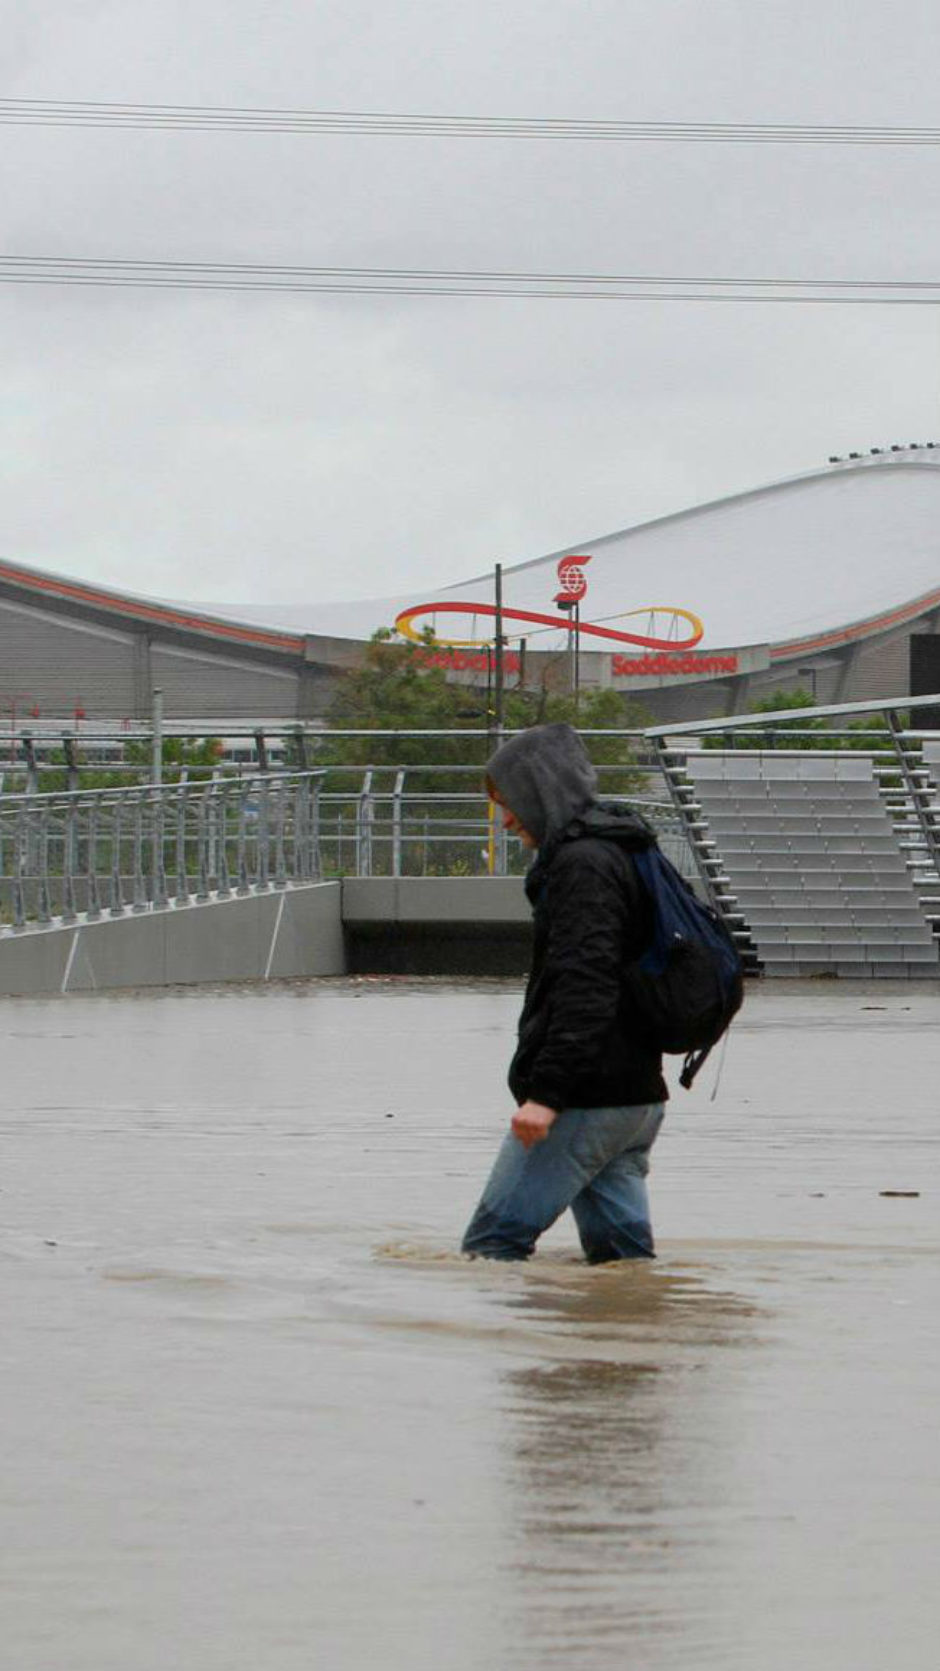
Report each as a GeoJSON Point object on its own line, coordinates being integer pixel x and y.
{"type": "Point", "coordinates": [579, 1045]}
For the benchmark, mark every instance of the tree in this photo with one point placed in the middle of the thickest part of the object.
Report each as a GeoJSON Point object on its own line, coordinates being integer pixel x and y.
{"type": "Point", "coordinates": [774, 736]}
{"type": "Point", "coordinates": [199, 757]}
{"type": "Point", "coordinates": [870, 732]}
{"type": "Point", "coordinates": [394, 688]}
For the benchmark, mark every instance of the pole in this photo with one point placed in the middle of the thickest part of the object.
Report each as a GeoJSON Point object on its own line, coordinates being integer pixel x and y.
{"type": "Point", "coordinates": [576, 655]}
{"type": "Point", "coordinates": [498, 670]}
{"type": "Point", "coordinates": [156, 769]}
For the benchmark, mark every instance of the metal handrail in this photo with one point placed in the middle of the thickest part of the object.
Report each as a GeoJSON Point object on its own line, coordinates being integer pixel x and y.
{"type": "Point", "coordinates": [906, 784]}
{"type": "Point", "coordinates": [59, 853]}
{"type": "Point", "coordinates": [120, 851]}
{"type": "Point", "coordinates": [769, 718]}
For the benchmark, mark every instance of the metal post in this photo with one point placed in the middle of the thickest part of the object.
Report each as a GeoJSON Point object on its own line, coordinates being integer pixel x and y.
{"type": "Point", "coordinates": [498, 665]}
{"type": "Point", "coordinates": [202, 840]}
{"type": "Point", "coordinates": [140, 887]}
{"type": "Point", "coordinates": [315, 870]}
{"type": "Point", "coordinates": [364, 819]}
{"type": "Point", "coordinates": [396, 822]}
{"type": "Point", "coordinates": [20, 851]}
{"type": "Point", "coordinates": [32, 769]}
{"type": "Point", "coordinates": [71, 763]}
{"type": "Point", "coordinates": [116, 907]}
{"type": "Point", "coordinates": [298, 829]}
{"type": "Point", "coordinates": [92, 899]}
{"type": "Point", "coordinates": [300, 748]}
{"type": "Point", "coordinates": [156, 720]}
{"type": "Point", "coordinates": [158, 860]}
{"type": "Point", "coordinates": [241, 850]}
{"type": "Point", "coordinates": [69, 854]}
{"type": "Point", "coordinates": [280, 821]}
{"type": "Point", "coordinates": [44, 903]}
{"type": "Point", "coordinates": [223, 877]}
{"type": "Point", "coordinates": [263, 845]}
{"type": "Point", "coordinates": [182, 869]}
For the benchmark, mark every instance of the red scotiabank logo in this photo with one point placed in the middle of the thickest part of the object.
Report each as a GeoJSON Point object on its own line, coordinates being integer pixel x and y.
{"type": "Point", "coordinates": [573, 584]}
{"type": "Point", "coordinates": [572, 580]}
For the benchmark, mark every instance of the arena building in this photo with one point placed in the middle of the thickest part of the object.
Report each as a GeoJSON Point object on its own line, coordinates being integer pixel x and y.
{"type": "Point", "coordinates": [829, 581]}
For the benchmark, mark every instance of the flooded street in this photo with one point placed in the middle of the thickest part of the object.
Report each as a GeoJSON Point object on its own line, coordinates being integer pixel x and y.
{"type": "Point", "coordinates": [259, 1416]}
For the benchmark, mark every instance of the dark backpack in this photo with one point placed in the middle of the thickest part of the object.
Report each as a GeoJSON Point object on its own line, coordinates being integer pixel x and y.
{"type": "Point", "coordinates": [688, 985]}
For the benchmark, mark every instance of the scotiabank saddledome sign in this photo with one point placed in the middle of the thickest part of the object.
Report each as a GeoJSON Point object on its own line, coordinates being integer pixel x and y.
{"type": "Point", "coordinates": [670, 637]}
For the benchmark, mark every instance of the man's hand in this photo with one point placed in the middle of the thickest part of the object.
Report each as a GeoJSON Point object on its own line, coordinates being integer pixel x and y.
{"type": "Point", "coordinates": [532, 1123]}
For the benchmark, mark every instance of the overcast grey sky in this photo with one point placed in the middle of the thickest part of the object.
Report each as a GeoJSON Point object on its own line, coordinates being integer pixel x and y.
{"type": "Point", "coordinates": [251, 447]}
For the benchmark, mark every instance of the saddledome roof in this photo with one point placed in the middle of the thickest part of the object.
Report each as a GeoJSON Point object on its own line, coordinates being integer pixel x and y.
{"type": "Point", "coordinates": [790, 564]}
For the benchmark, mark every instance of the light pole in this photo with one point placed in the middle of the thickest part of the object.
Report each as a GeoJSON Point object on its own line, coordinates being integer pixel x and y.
{"type": "Point", "coordinates": [498, 662]}
{"type": "Point", "coordinates": [570, 607]}
{"type": "Point", "coordinates": [568, 599]}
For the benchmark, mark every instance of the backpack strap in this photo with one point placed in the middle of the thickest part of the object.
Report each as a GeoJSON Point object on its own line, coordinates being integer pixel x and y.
{"type": "Point", "coordinates": [695, 1060]}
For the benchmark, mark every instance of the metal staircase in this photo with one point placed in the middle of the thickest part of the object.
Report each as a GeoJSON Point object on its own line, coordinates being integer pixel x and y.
{"type": "Point", "coordinates": [823, 861]}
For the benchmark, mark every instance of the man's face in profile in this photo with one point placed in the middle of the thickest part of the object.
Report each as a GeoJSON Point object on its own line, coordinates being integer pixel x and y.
{"type": "Point", "coordinates": [512, 824]}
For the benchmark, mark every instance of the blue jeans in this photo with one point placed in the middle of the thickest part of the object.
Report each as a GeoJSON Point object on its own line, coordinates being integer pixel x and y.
{"type": "Point", "coordinates": [595, 1161]}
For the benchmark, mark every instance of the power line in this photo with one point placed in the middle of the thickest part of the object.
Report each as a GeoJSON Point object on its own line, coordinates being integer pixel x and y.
{"type": "Point", "coordinates": [82, 113]}
{"type": "Point", "coordinates": [349, 281]}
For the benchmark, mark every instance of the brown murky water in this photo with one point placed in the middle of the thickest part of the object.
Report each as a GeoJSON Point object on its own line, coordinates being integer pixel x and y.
{"type": "Point", "coordinates": [258, 1416]}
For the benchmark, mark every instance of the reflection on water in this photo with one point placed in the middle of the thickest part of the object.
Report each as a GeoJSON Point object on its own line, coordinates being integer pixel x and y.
{"type": "Point", "coordinates": [599, 1445]}
{"type": "Point", "coordinates": [632, 1301]}
{"type": "Point", "coordinates": [612, 1415]}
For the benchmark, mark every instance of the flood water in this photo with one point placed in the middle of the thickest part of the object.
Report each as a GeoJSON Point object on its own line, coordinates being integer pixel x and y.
{"type": "Point", "coordinates": [259, 1416]}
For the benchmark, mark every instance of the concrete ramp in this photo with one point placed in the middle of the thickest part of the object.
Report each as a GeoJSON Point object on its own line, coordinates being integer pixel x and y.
{"type": "Point", "coordinates": [408, 925]}
{"type": "Point", "coordinates": [264, 936]}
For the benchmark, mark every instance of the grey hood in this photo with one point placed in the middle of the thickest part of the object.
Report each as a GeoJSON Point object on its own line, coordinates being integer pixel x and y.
{"type": "Point", "coordinates": [545, 777]}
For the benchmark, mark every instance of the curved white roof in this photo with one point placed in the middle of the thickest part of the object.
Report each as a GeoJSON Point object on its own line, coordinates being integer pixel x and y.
{"type": "Point", "coordinates": [793, 562]}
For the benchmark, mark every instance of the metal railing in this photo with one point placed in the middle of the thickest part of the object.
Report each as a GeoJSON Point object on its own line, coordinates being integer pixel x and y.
{"type": "Point", "coordinates": [119, 850]}
{"type": "Point", "coordinates": [111, 851]}
{"type": "Point", "coordinates": [114, 851]}
{"type": "Point", "coordinates": [33, 755]}
{"type": "Point", "coordinates": [905, 767]}
{"type": "Point", "coordinates": [423, 818]}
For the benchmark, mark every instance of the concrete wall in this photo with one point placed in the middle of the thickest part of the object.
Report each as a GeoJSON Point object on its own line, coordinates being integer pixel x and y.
{"type": "Point", "coordinates": [436, 925]}
{"type": "Point", "coordinates": [295, 931]}
{"type": "Point", "coordinates": [483, 901]}
{"type": "Point", "coordinates": [415, 925]}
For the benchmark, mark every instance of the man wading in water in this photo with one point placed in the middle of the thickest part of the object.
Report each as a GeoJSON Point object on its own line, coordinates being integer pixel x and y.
{"type": "Point", "coordinates": [589, 1088]}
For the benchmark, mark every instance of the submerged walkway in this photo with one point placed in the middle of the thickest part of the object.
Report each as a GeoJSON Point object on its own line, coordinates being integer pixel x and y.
{"type": "Point", "coordinates": [265, 1416]}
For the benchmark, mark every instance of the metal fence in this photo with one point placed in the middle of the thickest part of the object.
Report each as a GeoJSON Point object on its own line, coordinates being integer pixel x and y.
{"type": "Point", "coordinates": [49, 758]}
{"type": "Point", "coordinates": [383, 828]}
{"type": "Point", "coordinates": [111, 851]}
{"type": "Point", "coordinates": [106, 852]}
{"type": "Point", "coordinates": [905, 764]}
{"type": "Point", "coordinates": [902, 765]}
{"type": "Point", "coordinates": [120, 850]}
